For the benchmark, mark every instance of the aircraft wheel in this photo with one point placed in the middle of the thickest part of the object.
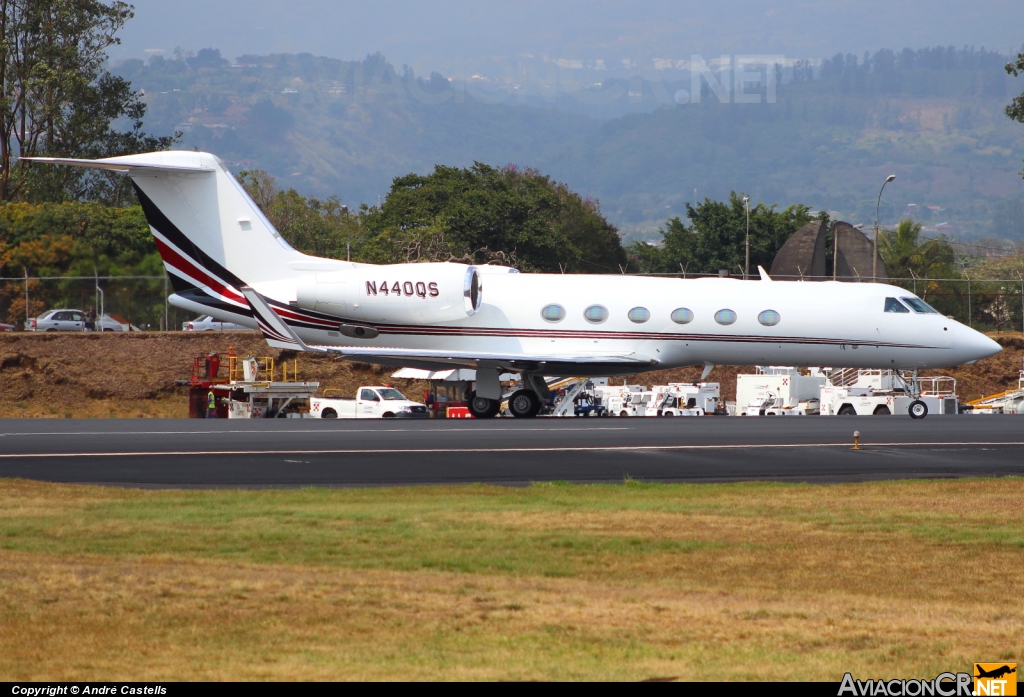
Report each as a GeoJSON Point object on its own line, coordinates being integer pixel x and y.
{"type": "Point", "coordinates": [524, 404]}
{"type": "Point", "coordinates": [483, 408]}
{"type": "Point", "coordinates": [847, 410]}
{"type": "Point", "coordinates": [918, 409]}
{"type": "Point", "coordinates": [328, 414]}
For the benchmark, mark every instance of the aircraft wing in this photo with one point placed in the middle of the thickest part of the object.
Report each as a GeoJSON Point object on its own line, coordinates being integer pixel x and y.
{"type": "Point", "coordinates": [279, 335]}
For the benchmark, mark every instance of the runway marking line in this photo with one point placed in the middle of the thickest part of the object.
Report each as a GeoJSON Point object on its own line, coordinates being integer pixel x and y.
{"type": "Point", "coordinates": [305, 430]}
{"type": "Point", "coordinates": [594, 448]}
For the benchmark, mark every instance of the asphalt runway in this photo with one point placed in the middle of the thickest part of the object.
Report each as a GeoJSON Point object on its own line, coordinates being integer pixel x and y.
{"type": "Point", "coordinates": [289, 453]}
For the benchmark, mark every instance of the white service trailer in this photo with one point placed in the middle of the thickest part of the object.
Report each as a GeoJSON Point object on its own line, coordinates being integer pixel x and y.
{"type": "Point", "coordinates": [778, 391]}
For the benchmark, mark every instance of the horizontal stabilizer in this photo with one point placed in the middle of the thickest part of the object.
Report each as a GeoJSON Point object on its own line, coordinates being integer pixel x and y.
{"type": "Point", "coordinates": [126, 165]}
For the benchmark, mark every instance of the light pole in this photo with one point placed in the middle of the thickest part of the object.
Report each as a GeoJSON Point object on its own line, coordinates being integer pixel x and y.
{"type": "Point", "coordinates": [746, 267]}
{"type": "Point", "coordinates": [874, 245]}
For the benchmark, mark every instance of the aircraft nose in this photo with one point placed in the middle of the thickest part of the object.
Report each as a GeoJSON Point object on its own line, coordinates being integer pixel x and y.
{"type": "Point", "coordinates": [974, 346]}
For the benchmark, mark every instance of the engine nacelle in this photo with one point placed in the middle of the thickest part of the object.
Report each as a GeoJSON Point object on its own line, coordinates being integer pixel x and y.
{"type": "Point", "coordinates": [395, 294]}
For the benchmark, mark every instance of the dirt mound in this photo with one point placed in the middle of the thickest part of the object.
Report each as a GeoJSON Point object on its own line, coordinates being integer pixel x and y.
{"type": "Point", "coordinates": [132, 375]}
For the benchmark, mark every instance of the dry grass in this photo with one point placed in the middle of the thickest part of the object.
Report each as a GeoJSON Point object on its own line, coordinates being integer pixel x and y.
{"type": "Point", "coordinates": [749, 581]}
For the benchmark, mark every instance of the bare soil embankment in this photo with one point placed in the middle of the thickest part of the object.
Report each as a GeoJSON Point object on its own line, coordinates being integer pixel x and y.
{"type": "Point", "coordinates": [132, 375]}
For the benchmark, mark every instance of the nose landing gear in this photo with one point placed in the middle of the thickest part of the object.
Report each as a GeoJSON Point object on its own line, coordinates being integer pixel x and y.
{"type": "Point", "coordinates": [917, 409]}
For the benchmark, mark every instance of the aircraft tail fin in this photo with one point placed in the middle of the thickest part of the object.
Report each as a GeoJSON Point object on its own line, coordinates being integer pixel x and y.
{"type": "Point", "coordinates": [212, 236]}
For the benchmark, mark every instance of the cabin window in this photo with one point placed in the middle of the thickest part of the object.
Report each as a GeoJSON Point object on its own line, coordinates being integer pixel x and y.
{"type": "Point", "coordinates": [769, 318]}
{"type": "Point", "coordinates": [725, 316]}
{"type": "Point", "coordinates": [553, 313]}
{"type": "Point", "coordinates": [595, 314]}
{"type": "Point", "coordinates": [639, 315]}
{"type": "Point", "coordinates": [894, 305]}
{"type": "Point", "coordinates": [368, 396]}
{"type": "Point", "coordinates": [920, 306]}
{"type": "Point", "coordinates": [682, 316]}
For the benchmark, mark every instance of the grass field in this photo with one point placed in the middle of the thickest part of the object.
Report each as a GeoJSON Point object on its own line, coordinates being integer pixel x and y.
{"type": "Point", "coordinates": [636, 581]}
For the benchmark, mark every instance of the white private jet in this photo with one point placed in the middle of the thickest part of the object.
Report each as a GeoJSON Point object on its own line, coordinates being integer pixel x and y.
{"type": "Point", "coordinates": [225, 259]}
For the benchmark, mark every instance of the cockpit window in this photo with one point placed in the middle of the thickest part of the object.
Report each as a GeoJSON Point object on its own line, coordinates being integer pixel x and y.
{"type": "Point", "coordinates": [894, 305]}
{"type": "Point", "coordinates": [920, 306]}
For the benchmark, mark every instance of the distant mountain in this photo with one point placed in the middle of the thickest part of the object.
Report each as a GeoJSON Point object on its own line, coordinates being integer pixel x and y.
{"type": "Point", "coordinates": [463, 37]}
{"type": "Point", "coordinates": [833, 132]}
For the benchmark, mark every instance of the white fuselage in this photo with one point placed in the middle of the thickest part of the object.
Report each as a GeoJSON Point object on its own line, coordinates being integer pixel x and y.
{"type": "Point", "coordinates": [819, 323]}
{"type": "Point", "coordinates": [225, 259]}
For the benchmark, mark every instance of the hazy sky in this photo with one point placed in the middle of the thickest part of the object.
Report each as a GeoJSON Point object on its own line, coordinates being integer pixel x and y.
{"type": "Point", "coordinates": [457, 35]}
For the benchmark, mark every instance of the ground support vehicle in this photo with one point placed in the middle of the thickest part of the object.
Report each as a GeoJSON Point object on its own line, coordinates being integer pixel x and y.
{"type": "Point", "coordinates": [687, 399]}
{"type": "Point", "coordinates": [865, 392]}
{"type": "Point", "coordinates": [370, 402]}
{"type": "Point", "coordinates": [618, 398]}
{"type": "Point", "coordinates": [778, 391]}
{"type": "Point", "coordinates": [579, 397]}
{"type": "Point", "coordinates": [271, 400]}
{"type": "Point", "coordinates": [246, 388]}
{"type": "Point", "coordinates": [1008, 402]}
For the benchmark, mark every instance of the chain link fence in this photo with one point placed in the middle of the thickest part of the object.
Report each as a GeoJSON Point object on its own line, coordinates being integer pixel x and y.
{"type": "Point", "coordinates": [139, 300]}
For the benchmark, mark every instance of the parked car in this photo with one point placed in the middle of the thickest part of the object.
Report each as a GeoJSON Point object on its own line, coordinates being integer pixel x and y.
{"type": "Point", "coordinates": [205, 323]}
{"type": "Point", "coordinates": [74, 321]}
{"type": "Point", "coordinates": [58, 321]}
{"type": "Point", "coordinates": [115, 323]}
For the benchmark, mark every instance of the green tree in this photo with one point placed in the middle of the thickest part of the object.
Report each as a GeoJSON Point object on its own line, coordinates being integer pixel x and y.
{"type": "Point", "coordinates": [1015, 109]}
{"type": "Point", "coordinates": [485, 214]}
{"type": "Point", "coordinates": [907, 255]}
{"type": "Point", "coordinates": [715, 238]}
{"type": "Point", "coordinates": [323, 228]}
{"type": "Point", "coordinates": [56, 99]}
{"type": "Point", "coordinates": [78, 239]}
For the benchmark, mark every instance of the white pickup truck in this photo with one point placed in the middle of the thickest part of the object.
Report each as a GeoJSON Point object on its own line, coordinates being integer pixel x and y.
{"type": "Point", "coordinates": [370, 402]}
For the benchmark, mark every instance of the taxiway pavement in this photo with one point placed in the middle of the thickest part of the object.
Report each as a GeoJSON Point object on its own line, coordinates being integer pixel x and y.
{"type": "Point", "coordinates": [269, 453]}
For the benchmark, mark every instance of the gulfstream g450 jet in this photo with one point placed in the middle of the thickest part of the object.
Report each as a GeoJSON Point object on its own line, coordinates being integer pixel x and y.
{"type": "Point", "coordinates": [225, 259]}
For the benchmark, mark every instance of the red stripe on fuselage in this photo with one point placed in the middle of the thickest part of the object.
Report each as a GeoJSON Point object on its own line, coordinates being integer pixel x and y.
{"type": "Point", "coordinates": [187, 266]}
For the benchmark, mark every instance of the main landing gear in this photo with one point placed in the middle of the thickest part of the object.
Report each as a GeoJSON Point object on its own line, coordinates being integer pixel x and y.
{"type": "Point", "coordinates": [483, 408]}
{"type": "Point", "coordinates": [524, 404]}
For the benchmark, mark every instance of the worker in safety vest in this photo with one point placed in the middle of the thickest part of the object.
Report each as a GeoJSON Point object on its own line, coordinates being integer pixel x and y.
{"type": "Point", "coordinates": [211, 412]}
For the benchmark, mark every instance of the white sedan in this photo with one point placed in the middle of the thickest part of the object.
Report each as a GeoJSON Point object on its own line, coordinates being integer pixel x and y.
{"type": "Point", "coordinates": [205, 323]}
{"type": "Point", "coordinates": [74, 321]}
